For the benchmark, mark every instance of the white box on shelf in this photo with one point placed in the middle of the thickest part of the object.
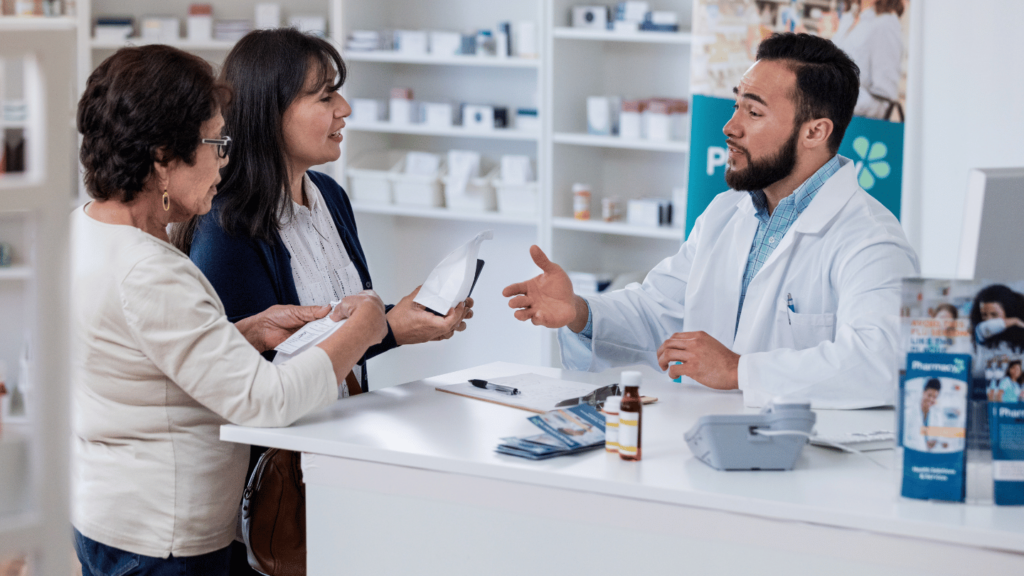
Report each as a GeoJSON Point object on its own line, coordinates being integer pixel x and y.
{"type": "Point", "coordinates": [268, 16]}
{"type": "Point", "coordinates": [527, 120]}
{"type": "Point", "coordinates": [650, 212]}
{"type": "Point", "coordinates": [370, 176]}
{"type": "Point", "coordinates": [517, 199]}
{"type": "Point", "coordinates": [411, 42]}
{"type": "Point", "coordinates": [403, 111]}
{"type": "Point", "coordinates": [444, 43]}
{"type": "Point", "coordinates": [476, 195]}
{"type": "Point", "coordinates": [603, 115]}
{"type": "Point", "coordinates": [593, 17]}
{"type": "Point", "coordinates": [200, 28]}
{"type": "Point", "coordinates": [516, 169]}
{"type": "Point", "coordinates": [657, 122]}
{"type": "Point", "coordinates": [368, 110]}
{"type": "Point", "coordinates": [312, 23]}
{"type": "Point", "coordinates": [524, 39]}
{"type": "Point", "coordinates": [417, 190]}
{"type": "Point", "coordinates": [437, 114]}
{"type": "Point", "coordinates": [163, 29]}
{"type": "Point", "coordinates": [477, 117]}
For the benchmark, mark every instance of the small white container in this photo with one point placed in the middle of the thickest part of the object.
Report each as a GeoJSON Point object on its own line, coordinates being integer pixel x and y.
{"type": "Point", "coordinates": [437, 114]}
{"type": "Point", "coordinates": [611, 423]}
{"type": "Point", "coordinates": [478, 118]}
{"type": "Point", "coordinates": [416, 190]}
{"type": "Point", "coordinates": [403, 111]}
{"type": "Point", "coordinates": [370, 176]}
{"type": "Point", "coordinates": [368, 110]}
{"type": "Point", "coordinates": [479, 195]}
{"type": "Point", "coordinates": [517, 199]}
{"type": "Point", "coordinates": [268, 16]}
{"type": "Point", "coordinates": [200, 28]}
{"type": "Point", "coordinates": [445, 44]}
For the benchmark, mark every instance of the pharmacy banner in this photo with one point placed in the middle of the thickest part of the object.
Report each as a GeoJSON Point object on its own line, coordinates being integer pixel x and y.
{"type": "Point", "coordinates": [726, 34]}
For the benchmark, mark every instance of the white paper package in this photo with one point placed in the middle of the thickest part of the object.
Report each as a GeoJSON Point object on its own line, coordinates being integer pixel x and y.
{"type": "Point", "coordinates": [451, 281]}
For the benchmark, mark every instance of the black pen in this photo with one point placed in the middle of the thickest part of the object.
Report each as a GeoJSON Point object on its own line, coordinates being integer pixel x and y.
{"type": "Point", "coordinates": [496, 387]}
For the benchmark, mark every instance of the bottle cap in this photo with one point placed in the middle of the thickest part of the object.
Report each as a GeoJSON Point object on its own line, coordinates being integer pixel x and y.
{"type": "Point", "coordinates": [630, 378]}
{"type": "Point", "coordinates": [612, 404]}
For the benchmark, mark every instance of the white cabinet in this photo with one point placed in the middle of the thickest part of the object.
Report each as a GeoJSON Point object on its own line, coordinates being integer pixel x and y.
{"type": "Point", "coordinates": [37, 56]}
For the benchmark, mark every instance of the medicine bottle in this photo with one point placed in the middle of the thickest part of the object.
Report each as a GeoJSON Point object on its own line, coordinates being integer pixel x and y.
{"type": "Point", "coordinates": [581, 201]}
{"type": "Point", "coordinates": [611, 423]}
{"type": "Point", "coordinates": [629, 417]}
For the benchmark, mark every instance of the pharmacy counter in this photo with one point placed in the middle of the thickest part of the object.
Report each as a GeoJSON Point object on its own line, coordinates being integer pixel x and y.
{"type": "Point", "coordinates": [405, 480]}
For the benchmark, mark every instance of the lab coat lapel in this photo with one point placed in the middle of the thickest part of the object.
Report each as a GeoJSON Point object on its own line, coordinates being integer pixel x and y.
{"type": "Point", "coordinates": [759, 306]}
{"type": "Point", "coordinates": [732, 259]}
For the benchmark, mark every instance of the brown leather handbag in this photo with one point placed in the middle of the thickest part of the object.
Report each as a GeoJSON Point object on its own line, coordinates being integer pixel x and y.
{"type": "Point", "coordinates": [274, 515]}
{"type": "Point", "coordinates": [274, 510]}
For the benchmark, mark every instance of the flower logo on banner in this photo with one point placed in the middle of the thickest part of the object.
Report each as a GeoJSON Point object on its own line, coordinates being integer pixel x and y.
{"type": "Point", "coordinates": [871, 166]}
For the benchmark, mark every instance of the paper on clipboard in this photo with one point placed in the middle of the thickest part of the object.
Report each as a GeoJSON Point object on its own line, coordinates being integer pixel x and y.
{"type": "Point", "coordinates": [537, 393]}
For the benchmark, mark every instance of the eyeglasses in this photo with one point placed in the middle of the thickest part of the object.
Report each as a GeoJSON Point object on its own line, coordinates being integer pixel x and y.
{"type": "Point", "coordinates": [223, 145]}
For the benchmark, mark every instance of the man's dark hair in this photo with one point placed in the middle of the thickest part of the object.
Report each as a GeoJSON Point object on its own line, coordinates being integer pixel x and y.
{"type": "Point", "coordinates": [933, 384]}
{"type": "Point", "coordinates": [267, 71]}
{"type": "Point", "coordinates": [827, 80]}
{"type": "Point", "coordinates": [143, 105]}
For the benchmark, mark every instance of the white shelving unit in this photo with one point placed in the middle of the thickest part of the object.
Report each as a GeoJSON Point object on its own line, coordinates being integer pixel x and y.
{"type": "Point", "coordinates": [402, 243]}
{"type": "Point", "coordinates": [36, 54]}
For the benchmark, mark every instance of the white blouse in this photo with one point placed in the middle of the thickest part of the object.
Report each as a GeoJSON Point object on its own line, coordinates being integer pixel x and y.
{"type": "Point", "coordinates": [156, 369]}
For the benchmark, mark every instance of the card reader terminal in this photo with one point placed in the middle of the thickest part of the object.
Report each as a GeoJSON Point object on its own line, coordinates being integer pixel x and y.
{"type": "Point", "coordinates": [753, 441]}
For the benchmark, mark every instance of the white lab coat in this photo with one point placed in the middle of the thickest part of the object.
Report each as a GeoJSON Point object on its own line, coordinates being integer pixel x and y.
{"type": "Point", "coordinates": [842, 261]}
{"type": "Point", "coordinates": [876, 45]}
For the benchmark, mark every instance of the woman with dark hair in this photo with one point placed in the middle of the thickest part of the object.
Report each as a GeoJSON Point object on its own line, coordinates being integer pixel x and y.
{"type": "Point", "coordinates": [157, 367]}
{"type": "Point", "coordinates": [996, 318]}
{"type": "Point", "coordinates": [1009, 388]}
{"type": "Point", "coordinates": [280, 233]}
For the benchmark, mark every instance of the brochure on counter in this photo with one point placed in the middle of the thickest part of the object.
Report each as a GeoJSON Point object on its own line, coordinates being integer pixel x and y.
{"type": "Point", "coordinates": [566, 431]}
{"type": "Point", "coordinates": [961, 386]}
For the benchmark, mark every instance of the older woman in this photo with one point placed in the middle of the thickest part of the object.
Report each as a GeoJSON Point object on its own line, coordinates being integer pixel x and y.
{"type": "Point", "coordinates": [157, 366]}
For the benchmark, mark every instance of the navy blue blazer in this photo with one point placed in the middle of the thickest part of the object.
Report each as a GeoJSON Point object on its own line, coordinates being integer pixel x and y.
{"type": "Point", "coordinates": [252, 275]}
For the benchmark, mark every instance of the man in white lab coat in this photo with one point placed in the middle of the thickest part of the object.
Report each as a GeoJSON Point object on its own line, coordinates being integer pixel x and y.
{"type": "Point", "coordinates": [788, 285]}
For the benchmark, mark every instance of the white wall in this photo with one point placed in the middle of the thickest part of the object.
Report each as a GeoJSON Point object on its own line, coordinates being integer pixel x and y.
{"type": "Point", "coordinates": [966, 110]}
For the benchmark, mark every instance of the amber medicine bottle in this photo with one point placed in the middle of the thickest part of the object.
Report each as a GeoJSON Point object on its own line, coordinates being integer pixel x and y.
{"type": "Point", "coordinates": [630, 417]}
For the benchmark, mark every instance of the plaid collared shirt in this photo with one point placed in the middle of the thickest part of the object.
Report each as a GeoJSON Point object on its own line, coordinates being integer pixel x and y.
{"type": "Point", "coordinates": [772, 227]}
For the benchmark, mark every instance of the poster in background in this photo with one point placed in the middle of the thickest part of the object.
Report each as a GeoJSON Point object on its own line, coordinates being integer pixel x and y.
{"type": "Point", "coordinates": [726, 34]}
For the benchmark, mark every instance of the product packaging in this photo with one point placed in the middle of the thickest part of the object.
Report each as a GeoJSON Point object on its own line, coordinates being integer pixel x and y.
{"type": "Point", "coordinates": [452, 280]}
{"type": "Point", "coordinates": [1006, 423]}
{"type": "Point", "coordinates": [934, 414]}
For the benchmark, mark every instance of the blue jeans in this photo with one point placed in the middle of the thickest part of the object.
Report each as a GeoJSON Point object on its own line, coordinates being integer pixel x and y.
{"type": "Point", "coordinates": [102, 560]}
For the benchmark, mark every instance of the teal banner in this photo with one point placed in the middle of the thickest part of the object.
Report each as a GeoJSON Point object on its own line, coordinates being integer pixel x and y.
{"type": "Point", "coordinates": [875, 145]}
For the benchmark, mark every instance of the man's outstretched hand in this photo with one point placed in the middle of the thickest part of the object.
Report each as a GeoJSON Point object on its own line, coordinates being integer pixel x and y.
{"type": "Point", "coordinates": [547, 299]}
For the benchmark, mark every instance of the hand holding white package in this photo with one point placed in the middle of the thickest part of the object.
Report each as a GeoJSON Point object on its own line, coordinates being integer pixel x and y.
{"type": "Point", "coordinates": [309, 335]}
{"type": "Point", "coordinates": [451, 281]}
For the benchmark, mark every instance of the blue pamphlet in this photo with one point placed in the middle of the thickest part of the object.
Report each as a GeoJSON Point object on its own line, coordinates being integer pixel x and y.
{"type": "Point", "coordinates": [934, 424]}
{"type": "Point", "coordinates": [566, 431]}
{"type": "Point", "coordinates": [1006, 424]}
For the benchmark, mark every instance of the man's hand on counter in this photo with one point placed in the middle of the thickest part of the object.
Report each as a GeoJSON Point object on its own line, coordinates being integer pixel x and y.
{"type": "Point", "coordinates": [703, 358]}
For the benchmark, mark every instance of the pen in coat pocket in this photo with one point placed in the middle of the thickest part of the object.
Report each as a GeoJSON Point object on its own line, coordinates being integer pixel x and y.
{"type": "Point", "coordinates": [790, 305]}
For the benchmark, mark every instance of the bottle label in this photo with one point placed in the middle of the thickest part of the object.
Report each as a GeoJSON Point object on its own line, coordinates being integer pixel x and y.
{"type": "Point", "coordinates": [611, 432]}
{"type": "Point", "coordinates": [629, 432]}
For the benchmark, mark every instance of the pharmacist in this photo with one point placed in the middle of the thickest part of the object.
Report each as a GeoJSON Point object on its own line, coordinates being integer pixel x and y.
{"type": "Point", "coordinates": [788, 285]}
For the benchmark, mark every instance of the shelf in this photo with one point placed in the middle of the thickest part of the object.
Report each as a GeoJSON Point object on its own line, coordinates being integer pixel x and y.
{"type": "Point", "coordinates": [182, 43]}
{"type": "Point", "coordinates": [456, 131]}
{"type": "Point", "coordinates": [568, 33]}
{"type": "Point", "coordinates": [399, 58]}
{"type": "Point", "coordinates": [617, 228]}
{"type": "Point", "coordinates": [581, 139]}
{"type": "Point", "coordinates": [443, 214]}
{"type": "Point", "coordinates": [16, 272]}
{"type": "Point", "coordinates": [29, 23]}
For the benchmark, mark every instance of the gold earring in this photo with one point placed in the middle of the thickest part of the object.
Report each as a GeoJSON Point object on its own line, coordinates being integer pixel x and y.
{"type": "Point", "coordinates": [167, 201]}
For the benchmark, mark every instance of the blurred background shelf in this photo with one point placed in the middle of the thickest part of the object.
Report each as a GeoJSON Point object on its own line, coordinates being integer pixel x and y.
{"type": "Point", "coordinates": [618, 228]}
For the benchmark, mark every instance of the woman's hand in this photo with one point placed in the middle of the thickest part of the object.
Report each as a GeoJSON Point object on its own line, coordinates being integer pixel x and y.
{"type": "Point", "coordinates": [365, 309]}
{"type": "Point", "coordinates": [412, 323]}
{"type": "Point", "coordinates": [266, 330]}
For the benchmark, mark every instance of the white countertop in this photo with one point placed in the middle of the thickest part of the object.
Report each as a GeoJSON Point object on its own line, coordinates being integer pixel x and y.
{"type": "Point", "coordinates": [414, 425]}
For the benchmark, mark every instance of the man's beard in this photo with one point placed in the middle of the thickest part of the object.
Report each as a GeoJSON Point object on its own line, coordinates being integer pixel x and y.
{"type": "Point", "coordinates": [763, 173]}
